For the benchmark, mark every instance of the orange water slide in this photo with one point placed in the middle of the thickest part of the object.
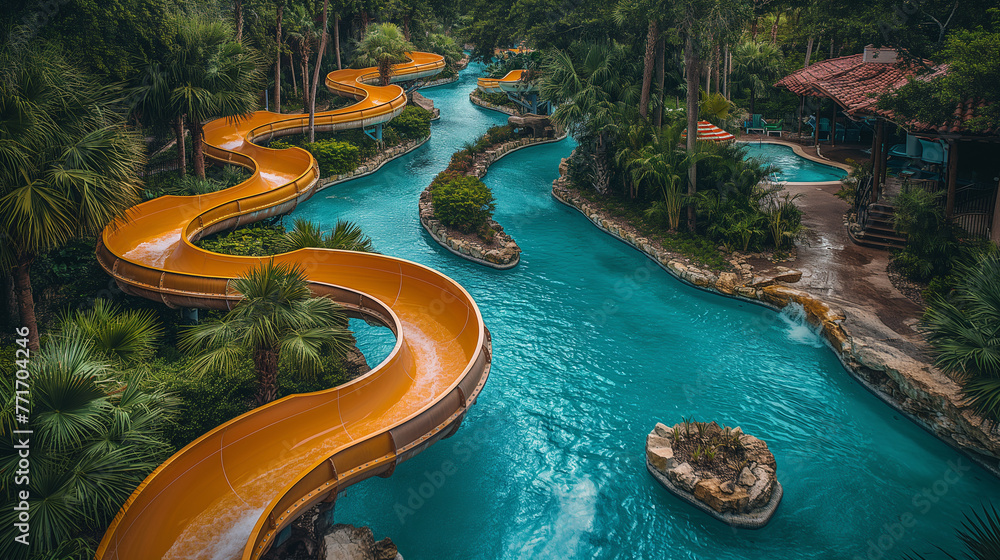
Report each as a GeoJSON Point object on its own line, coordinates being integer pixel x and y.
{"type": "Point", "coordinates": [509, 83]}
{"type": "Point", "coordinates": [229, 493]}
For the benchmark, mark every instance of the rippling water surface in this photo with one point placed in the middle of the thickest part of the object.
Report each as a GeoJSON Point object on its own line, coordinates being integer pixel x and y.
{"type": "Point", "coordinates": [593, 345]}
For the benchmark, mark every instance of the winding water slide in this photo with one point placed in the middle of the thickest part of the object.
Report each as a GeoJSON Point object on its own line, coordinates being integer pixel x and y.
{"type": "Point", "coordinates": [229, 493]}
{"type": "Point", "coordinates": [511, 83]}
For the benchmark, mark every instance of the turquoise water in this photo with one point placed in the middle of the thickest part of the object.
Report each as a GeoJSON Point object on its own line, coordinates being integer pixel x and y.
{"type": "Point", "coordinates": [593, 344]}
{"type": "Point", "coordinates": [793, 167]}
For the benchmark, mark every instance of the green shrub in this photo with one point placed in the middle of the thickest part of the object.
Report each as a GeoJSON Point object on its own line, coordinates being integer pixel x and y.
{"type": "Point", "coordinates": [500, 134]}
{"type": "Point", "coordinates": [256, 240]}
{"type": "Point", "coordinates": [964, 331]}
{"type": "Point", "coordinates": [464, 203]}
{"type": "Point", "coordinates": [932, 240]}
{"type": "Point", "coordinates": [280, 144]}
{"type": "Point", "coordinates": [206, 400]}
{"type": "Point", "coordinates": [412, 124]}
{"type": "Point", "coordinates": [334, 157]}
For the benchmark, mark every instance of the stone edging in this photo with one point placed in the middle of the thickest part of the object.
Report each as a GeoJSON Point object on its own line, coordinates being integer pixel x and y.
{"type": "Point", "coordinates": [372, 165]}
{"type": "Point", "coordinates": [754, 520]}
{"type": "Point", "coordinates": [944, 420]}
{"type": "Point", "coordinates": [459, 66]}
{"type": "Point", "coordinates": [474, 252]}
{"type": "Point", "coordinates": [487, 105]}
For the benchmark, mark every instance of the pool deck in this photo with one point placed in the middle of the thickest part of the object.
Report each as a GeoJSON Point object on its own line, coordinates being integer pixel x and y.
{"type": "Point", "coordinates": [881, 321]}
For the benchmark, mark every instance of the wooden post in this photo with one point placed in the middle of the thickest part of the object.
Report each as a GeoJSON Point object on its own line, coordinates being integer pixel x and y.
{"type": "Point", "coordinates": [949, 207]}
{"type": "Point", "coordinates": [802, 103]}
{"type": "Point", "coordinates": [884, 168]}
{"type": "Point", "coordinates": [819, 105]}
{"type": "Point", "coordinates": [833, 125]}
{"type": "Point", "coordinates": [877, 158]}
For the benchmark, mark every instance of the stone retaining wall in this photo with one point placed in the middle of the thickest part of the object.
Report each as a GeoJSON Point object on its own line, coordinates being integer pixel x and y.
{"type": "Point", "coordinates": [476, 100]}
{"type": "Point", "coordinates": [504, 253]}
{"type": "Point", "coordinates": [371, 165]}
{"type": "Point", "coordinates": [921, 399]}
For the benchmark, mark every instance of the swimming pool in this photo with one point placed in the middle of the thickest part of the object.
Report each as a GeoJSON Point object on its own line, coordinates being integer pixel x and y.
{"type": "Point", "coordinates": [793, 167]}
{"type": "Point", "coordinates": [593, 344]}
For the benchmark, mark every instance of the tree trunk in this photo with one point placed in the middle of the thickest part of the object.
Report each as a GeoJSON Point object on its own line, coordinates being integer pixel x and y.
{"type": "Point", "coordinates": [774, 28]}
{"type": "Point", "coordinates": [265, 361]}
{"type": "Point", "coordinates": [305, 81]}
{"type": "Point", "coordinates": [729, 68]}
{"type": "Point", "coordinates": [831, 47]}
{"type": "Point", "coordinates": [291, 65]}
{"type": "Point", "coordinates": [238, 16]}
{"type": "Point", "coordinates": [406, 27]}
{"type": "Point", "coordinates": [691, 67]}
{"type": "Point", "coordinates": [336, 39]}
{"type": "Point", "coordinates": [181, 148]}
{"type": "Point", "coordinates": [753, 100]}
{"type": "Point", "coordinates": [197, 134]}
{"type": "Point", "coordinates": [10, 296]}
{"type": "Point", "coordinates": [809, 51]}
{"type": "Point", "coordinates": [660, 77]}
{"type": "Point", "coordinates": [315, 78]}
{"type": "Point", "coordinates": [647, 67]}
{"type": "Point", "coordinates": [25, 300]}
{"type": "Point", "coordinates": [277, 63]}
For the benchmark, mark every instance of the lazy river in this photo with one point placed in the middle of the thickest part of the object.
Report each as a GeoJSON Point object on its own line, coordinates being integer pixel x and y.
{"type": "Point", "coordinates": [593, 344]}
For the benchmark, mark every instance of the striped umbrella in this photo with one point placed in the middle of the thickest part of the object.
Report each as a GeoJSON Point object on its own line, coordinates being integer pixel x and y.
{"type": "Point", "coordinates": [711, 133]}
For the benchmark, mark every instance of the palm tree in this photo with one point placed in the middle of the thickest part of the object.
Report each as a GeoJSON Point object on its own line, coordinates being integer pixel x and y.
{"type": "Point", "coordinates": [151, 105]}
{"type": "Point", "coordinates": [212, 75]}
{"type": "Point", "coordinates": [278, 318]}
{"type": "Point", "coordinates": [588, 83]}
{"type": "Point", "coordinates": [382, 46]}
{"type": "Point", "coordinates": [279, 13]}
{"type": "Point", "coordinates": [345, 236]}
{"type": "Point", "coordinates": [964, 331]}
{"type": "Point", "coordinates": [650, 10]}
{"type": "Point", "coordinates": [315, 78]}
{"type": "Point", "coordinates": [979, 534]}
{"type": "Point", "coordinates": [662, 164]}
{"type": "Point", "coordinates": [126, 336]}
{"type": "Point", "coordinates": [97, 433]}
{"type": "Point", "coordinates": [756, 66]}
{"type": "Point", "coordinates": [68, 163]}
{"type": "Point", "coordinates": [303, 34]}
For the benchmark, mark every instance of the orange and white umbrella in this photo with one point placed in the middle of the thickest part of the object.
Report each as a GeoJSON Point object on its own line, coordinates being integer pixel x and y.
{"type": "Point", "coordinates": [710, 133]}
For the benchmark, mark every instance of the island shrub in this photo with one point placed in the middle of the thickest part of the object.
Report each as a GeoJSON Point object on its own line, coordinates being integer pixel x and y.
{"type": "Point", "coordinates": [464, 203]}
{"type": "Point", "coordinates": [413, 123]}
{"type": "Point", "coordinates": [334, 157]}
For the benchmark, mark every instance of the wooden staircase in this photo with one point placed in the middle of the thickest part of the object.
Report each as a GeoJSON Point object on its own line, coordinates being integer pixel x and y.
{"type": "Point", "coordinates": [876, 221]}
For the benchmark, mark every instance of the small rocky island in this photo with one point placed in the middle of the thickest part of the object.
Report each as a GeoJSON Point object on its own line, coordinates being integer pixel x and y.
{"type": "Point", "coordinates": [720, 470]}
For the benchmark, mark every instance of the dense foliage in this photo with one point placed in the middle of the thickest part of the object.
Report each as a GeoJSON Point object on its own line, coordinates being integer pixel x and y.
{"type": "Point", "coordinates": [964, 330]}
{"type": "Point", "coordinates": [462, 202]}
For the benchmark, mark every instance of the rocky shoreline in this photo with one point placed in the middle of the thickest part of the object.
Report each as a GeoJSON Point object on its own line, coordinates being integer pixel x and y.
{"type": "Point", "coordinates": [476, 100]}
{"type": "Point", "coordinates": [503, 252]}
{"type": "Point", "coordinates": [737, 484]}
{"type": "Point", "coordinates": [910, 384]}
{"type": "Point", "coordinates": [371, 165]}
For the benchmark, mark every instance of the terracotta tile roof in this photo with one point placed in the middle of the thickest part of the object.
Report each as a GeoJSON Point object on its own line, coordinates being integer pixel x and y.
{"type": "Point", "coordinates": [856, 86]}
